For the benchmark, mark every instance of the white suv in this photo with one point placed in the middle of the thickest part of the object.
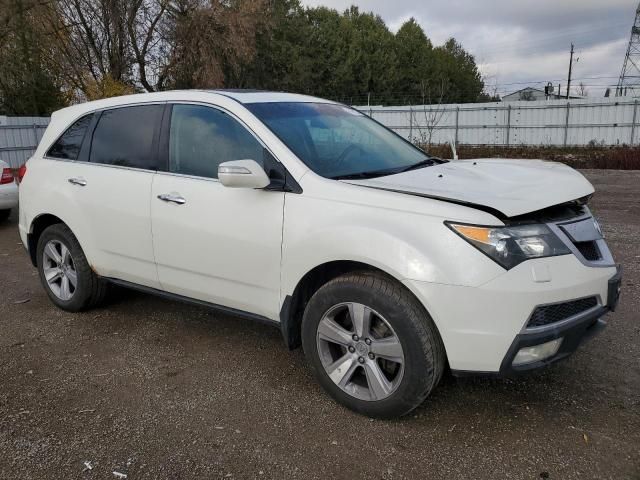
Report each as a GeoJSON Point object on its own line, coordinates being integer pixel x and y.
{"type": "Point", "coordinates": [387, 265]}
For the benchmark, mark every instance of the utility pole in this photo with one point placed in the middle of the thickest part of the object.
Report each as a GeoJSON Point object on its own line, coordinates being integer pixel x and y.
{"type": "Point", "coordinates": [570, 67]}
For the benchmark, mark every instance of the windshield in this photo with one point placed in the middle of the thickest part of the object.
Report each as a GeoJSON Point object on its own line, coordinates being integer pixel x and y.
{"type": "Point", "coordinates": [339, 142]}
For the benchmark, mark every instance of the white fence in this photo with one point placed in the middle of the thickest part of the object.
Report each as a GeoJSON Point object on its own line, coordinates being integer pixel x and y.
{"type": "Point", "coordinates": [613, 121]}
{"type": "Point", "coordinates": [19, 137]}
{"type": "Point", "coordinates": [553, 122]}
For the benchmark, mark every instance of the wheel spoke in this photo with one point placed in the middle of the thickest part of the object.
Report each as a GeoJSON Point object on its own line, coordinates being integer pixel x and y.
{"type": "Point", "coordinates": [342, 369]}
{"type": "Point", "coordinates": [329, 330]}
{"type": "Point", "coordinates": [379, 386]}
{"type": "Point", "coordinates": [52, 274]}
{"type": "Point", "coordinates": [73, 278]}
{"type": "Point", "coordinates": [64, 254]}
{"type": "Point", "coordinates": [361, 318]}
{"type": "Point", "coordinates": [388, 348]}
{"type": "Point", "coordinates": [52, 254]}
{"type": "Point", "coordinates": [65, 293]}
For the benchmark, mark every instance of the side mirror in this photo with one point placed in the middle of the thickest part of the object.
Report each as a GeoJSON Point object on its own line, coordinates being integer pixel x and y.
{"type": "Point", "coordinates": [242, 174]}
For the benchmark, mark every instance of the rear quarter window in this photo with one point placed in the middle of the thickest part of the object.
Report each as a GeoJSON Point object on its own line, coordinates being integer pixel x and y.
{"type": "Point", "coordinates": [67, 147]}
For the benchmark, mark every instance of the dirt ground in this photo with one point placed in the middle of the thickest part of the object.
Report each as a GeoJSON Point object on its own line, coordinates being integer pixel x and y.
{"type": "Point", "coordinates": [150, 388]}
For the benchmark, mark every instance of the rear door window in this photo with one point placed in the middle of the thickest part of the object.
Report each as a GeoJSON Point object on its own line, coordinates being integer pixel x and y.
{"type": "Point", "coordinates": [69, 144]}
{"type": "Point", "coordinates": [125, 137]}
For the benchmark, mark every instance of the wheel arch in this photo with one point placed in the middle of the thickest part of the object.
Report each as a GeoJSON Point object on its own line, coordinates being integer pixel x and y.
{"type": "Point", "coordinates": [294, 304]}
{"type": "Point", "coordinates": [38, 225]}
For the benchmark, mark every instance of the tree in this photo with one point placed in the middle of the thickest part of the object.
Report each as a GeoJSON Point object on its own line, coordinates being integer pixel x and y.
{"type": "Point", "coordinates": [98, 48]}
{"type": "Point", "coordinates": [107, 47]}
{"type": "Point", "coordinates": [280, 61]}
{"type": "Point", "coordinates": [460, 72]}
{"type": "Point", "coordinates": [430, 112]}
{"type": "Point", "coordinates": [370, 64]}
{"type": "Point", "coordinates": [27, 85]}
{"type": "Point", "coordinates": [211, 41]}
{"type": "Point", "coordinates": [92, 41]}
{"type": "Point", "coordinates": [415, 58]}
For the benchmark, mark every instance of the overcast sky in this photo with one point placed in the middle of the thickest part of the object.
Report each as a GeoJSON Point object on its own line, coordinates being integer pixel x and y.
{"type": "Point", "coordinates": [522, 40]}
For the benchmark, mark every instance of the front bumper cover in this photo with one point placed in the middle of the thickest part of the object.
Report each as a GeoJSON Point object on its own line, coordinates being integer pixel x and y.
{"type": "Point", "coordinates": [574, 333]}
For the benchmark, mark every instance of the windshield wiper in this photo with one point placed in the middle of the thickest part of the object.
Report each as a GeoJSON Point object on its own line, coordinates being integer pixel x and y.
{"type": "Point", "coordinates": [364, 175]}
{"type": "Point", "coordinates": [426, 162]}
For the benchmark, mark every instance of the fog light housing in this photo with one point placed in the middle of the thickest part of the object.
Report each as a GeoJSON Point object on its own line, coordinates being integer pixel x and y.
{"type": "Point", "coordinates": [536, 353]}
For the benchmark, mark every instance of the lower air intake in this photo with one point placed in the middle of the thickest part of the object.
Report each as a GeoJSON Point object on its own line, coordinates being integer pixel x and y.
{"type": "Point", "coordinates": [548, 314]}
{"type": "Point", "coordinates": [589, 250]}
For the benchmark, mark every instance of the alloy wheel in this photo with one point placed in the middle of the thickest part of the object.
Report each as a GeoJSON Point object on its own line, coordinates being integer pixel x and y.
{"type": "Point", "coordinates": [59, 270]}
{"type": "Point", "coordinates": [360, 352]}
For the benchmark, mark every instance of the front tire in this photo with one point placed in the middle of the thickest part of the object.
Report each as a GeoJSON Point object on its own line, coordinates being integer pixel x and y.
{"type": "Point", "coordinates": [64, 271]}
{"type": "Point", "coordinates": [371, 345]}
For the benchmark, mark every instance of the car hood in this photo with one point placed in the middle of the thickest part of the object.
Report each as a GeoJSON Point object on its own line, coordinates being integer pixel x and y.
{"type": "Point", "coordinates": [512, 187]}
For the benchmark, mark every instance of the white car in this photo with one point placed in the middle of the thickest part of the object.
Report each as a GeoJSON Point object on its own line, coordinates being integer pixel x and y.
{"type": "Point", "coordinates": [387, 265]}
{"type": "Point", "coordinates": [8, 191]}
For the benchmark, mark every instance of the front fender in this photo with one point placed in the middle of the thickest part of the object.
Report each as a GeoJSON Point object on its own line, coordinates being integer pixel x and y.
{"type": "Point", "coordinates": [406, 245]}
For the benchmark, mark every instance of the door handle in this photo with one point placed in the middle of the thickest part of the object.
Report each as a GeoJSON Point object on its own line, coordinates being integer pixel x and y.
{"type": "Point", "coordinates": [173, 198]}
{"type": "Point", "coordinates": [81, 182]}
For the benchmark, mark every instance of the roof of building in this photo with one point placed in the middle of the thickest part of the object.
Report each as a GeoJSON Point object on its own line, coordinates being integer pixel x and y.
{"type": "Point", "coordinates": [553, 95]}
{"type": "Point", "coordinates": [525, 89]}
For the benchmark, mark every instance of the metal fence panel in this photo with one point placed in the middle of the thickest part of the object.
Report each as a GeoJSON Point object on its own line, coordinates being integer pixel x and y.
{"type": "Point", "coordinates": [604, 121]}
{"type": "Point", "coordinates": [554, 123]}
{"type": "Point", "coordinates": [19, 137]}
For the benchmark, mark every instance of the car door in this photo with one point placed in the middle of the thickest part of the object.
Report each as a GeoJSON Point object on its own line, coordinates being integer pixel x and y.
{"type": "Point", "coordinates": [212, 243]}
{"type": "Point", "coordinates": [110, 192]}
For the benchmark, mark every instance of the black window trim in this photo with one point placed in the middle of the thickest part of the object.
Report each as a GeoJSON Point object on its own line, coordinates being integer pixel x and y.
{"type": "Point", "coordinates": [84, 138]}
{"type": "Point", "coordinates": [85, 149]}
{"type": "Point", "coordinates": [290, 184]}
{"type": "Point", "coordinates": [160, 143]}
{"type": "Point", "coordinates": [154, 141]}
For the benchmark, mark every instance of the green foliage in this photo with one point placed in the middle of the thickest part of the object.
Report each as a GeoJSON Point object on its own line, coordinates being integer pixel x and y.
{"type": "Point", "coordinates": [49, 56]}
{"type": "Point", "coordinates": [27, 85]}
{"type": "Point", "coordinates": [351, 55]}
{"type": "Point", "coordinates": [416, 60]}
{"type": "Point", "coordinates": [458, 68]}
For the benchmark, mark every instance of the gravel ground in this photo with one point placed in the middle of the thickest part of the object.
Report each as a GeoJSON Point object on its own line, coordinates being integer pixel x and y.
{"type": "Point", "coordinates": [156, 389]}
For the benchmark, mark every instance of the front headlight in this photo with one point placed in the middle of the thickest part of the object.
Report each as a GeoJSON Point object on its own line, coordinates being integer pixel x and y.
{"type": "Point", "coordinates": [510, 246]}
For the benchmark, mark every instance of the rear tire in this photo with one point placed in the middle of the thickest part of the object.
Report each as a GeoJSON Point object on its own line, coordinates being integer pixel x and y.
{"type": "Point", "coordinates": [4, 214]}
{"type": "Point", "coordinates": [64, 271]}
{"type": "Point", "coordinates": [334, 351]}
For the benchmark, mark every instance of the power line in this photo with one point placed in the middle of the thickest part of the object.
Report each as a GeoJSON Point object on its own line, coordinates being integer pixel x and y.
{"type": "Point", "coordinates": [587, 32]}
